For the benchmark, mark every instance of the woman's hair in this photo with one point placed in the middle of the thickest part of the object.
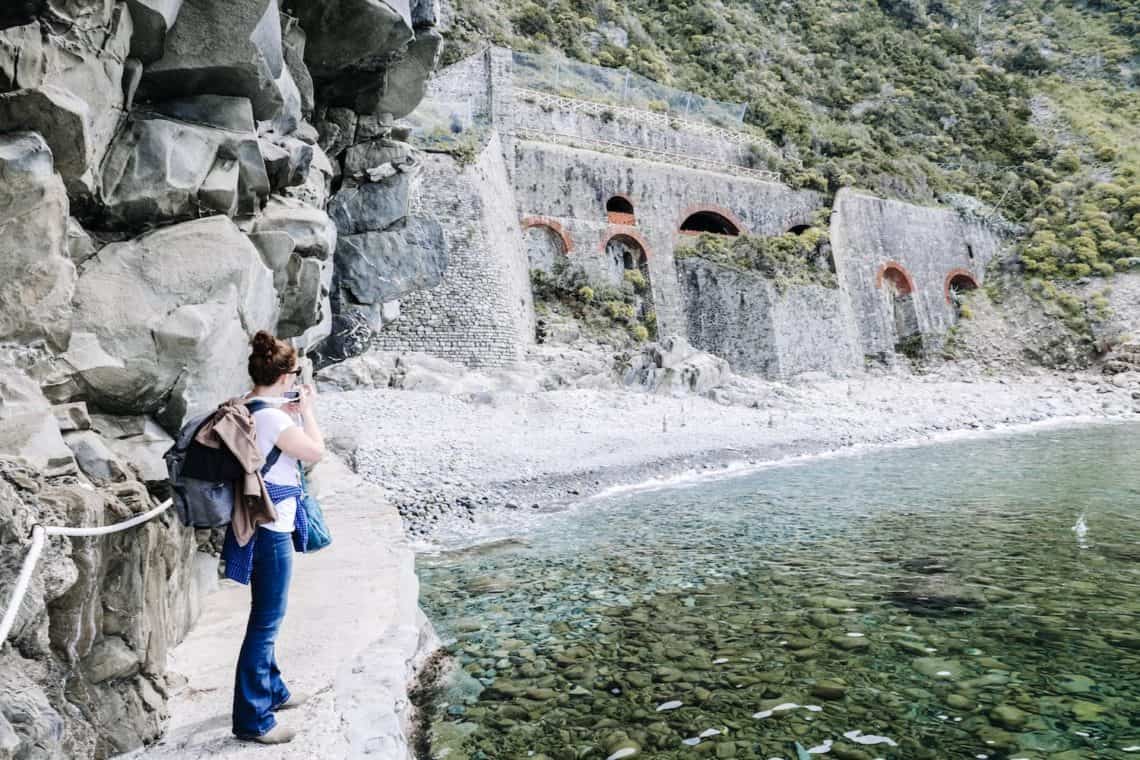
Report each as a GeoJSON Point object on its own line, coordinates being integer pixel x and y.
{"type": "Point", "coordinates": [270, 358]}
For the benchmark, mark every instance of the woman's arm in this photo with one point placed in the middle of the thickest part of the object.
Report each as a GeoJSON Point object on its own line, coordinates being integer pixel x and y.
{"type": "Point", "coordinates": [305, 442]}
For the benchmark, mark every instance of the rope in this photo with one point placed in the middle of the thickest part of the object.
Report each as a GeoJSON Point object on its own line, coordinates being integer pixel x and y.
{"type": "Point", "coordinates": [39, 536]}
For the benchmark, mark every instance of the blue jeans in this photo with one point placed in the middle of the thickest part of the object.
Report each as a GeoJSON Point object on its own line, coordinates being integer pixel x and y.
{"type": "Point", "coordinates": [258, 688]}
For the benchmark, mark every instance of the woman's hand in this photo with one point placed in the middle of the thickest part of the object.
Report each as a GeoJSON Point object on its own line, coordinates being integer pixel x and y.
{"type": "Point", "coordinates": [308, 394]}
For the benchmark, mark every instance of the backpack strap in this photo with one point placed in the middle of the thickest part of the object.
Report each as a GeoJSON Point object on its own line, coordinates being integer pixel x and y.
{"type": "Point", "coordinates": [274, 453]}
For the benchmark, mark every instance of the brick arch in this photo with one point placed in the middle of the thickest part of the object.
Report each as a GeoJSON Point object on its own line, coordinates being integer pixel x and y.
{"type": "Point", "coordinates": [615, 230]}
{"type": "Point", "coordinates": [728, 214]}
{"type": "Point", "coordinates": [954, 274]}
{"type": "Point", "coordinates": [908, 281]}
{"type": "Point", "coordinates": [545, 221]}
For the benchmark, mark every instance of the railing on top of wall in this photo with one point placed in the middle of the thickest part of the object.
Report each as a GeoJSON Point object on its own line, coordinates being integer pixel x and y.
{"type": "Point", "coordinates": [649, 154]}
{"type": "Point", "coordinates": [658, 119]}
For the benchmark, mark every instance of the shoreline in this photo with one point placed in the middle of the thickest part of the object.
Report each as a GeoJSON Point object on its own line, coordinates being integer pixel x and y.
{"type": "Point", "coordinates": [490, 470]}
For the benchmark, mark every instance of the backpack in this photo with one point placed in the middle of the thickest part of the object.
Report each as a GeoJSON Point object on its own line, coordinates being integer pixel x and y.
{"type": "Point", "coordinates": [204, 480]}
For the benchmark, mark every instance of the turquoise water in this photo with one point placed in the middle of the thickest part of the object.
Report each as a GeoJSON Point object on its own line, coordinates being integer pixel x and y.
{"type": "Point", "coordinates": [927, 602]}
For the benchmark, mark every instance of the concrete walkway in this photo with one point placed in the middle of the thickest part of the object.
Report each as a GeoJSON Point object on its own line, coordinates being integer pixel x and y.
{"type": "Point", "coordinates": [351, 634]}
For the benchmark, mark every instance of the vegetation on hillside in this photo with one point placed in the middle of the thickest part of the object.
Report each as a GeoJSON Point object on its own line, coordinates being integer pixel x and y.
{"type": "Point", "coordinates": [787, 260]}
{"type": "Point", "coordinates": [1021, 111]}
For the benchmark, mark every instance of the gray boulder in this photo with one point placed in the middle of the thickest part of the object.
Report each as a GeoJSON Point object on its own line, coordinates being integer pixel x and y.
{"type": "Point", "coordinates": [165, 169]}
{"type": "Point", "coordinates": [36, 273]}
{"type": "Point", "coordinates": [287, 161]}
{"type": "Point", "coordinates": [95, 458]}
{"type": "Point", "coordinates": [162, 321]}
{"type": "Point", "coordinates": [405, 80]}
{"type": "Point", "coordinates": [372, 206]}
{"type": "Point", "coordinates": [80, 246]}
{"type": "Point", "coordinates": [143, 452]}
{"type": "Point", "coordinates": [375, 267]}
{"type": "Point", "coordinates": [304, 295]}
{"type": "Point", "coordinates": [337, 130]}
{"type": "Point", "coordinates": [353, 34]}
{"type": "Point", "coordinates": [673, 367]}
{"type": "Point", "coordinates": [35, 440]}
{"type": "Point", "coordinates": [153, 21]}
{"type": "Point", "coordinates": [361, 157]}
{"type": "Point", "coordinates": [222, 47]}
{"type": "Point", "coordinates": [293, 38]}
{"type": "Point", "coordinates": [313, 233]}
{"type": "Point", "coordinates": [66, 83]}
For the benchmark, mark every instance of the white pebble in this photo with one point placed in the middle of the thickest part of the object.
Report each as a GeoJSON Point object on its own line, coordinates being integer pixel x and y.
{"type": "Point", "coordinates": [709, 732]}
{"type": "Point", "coordinates": [860, 738]}
{"type": "Point", "coordinates": [821, 749]}
{"type": "Point", "coordinates": [692, 742]}
{"type": "Point", "coordinates": [623, 752]}
{"type": "Point", "coordinates": [854, 635]}
{"type": "Point", "coordinates": [669, 705]}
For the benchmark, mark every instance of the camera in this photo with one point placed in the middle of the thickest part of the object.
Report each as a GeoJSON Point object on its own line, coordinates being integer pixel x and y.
{"type": "Point", "coordinates": [292, 395]}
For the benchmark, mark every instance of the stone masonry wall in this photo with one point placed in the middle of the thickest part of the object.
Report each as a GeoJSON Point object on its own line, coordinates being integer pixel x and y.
{"type": "Point", "coordinates": [482, 313]}
{"type": "Point", "coordinates": [929, 244]}
{"type": "Point", "coordinates": [626, 131]}
{"type": "Point", "coordinates": [569, 187]}
{"type": "Point", "coordinates": [742, 317]}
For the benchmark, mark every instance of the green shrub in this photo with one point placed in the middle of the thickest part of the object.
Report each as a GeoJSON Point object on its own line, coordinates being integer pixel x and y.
{"type": "Point", "coordinates": [636, 279]}
{"type": "Point", "coordinates": [640, 332]}
{"type": "Point", "coordinates": [586, 293]}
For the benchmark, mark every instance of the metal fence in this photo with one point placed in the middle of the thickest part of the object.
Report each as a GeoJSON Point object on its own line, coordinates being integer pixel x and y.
{"type": "Point", "coordinates": [573, 79]}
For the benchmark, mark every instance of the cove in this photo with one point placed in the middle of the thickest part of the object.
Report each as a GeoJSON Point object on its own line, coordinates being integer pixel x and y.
{"type": "Point", "coordinates": [975, 598]}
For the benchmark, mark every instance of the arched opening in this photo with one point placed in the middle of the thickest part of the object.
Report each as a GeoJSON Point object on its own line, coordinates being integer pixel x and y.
{"type": "Point", "coordinates": [709, 221]}
{"type": "Point", "coordinates": [619, 210]}
{"type": "Point", "coordinates": [800, 229]}
{"type": "Point", "coordinates": [898, 287]}
{"type": "Point", "coordinates": [958, 282]}
{"type": "Point", "coordinates": [628, 262]}
{"type": "Point", "coordinates": [546, 246]}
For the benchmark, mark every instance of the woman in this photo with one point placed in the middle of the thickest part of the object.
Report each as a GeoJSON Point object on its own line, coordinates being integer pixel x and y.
{"type": "Point", "coordinates": [266, 562]}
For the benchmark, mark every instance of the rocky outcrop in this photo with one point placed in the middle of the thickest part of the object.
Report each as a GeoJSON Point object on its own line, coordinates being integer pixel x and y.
{"type": "Point", "coordinates": [36, 273]}
{"type": "Point", "coordinates": [162, 327]}
{"type": "Point", "coordinates": [163, 169]}
{"type": "Point", "coordinates": [86, 675]}
{"type": "Point", "coordinates": [66, 83]}
{"type": "Point", "coordinates": [164, 178]}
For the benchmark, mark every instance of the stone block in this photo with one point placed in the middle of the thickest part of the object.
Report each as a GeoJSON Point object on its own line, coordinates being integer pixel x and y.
{"type": "Point", "coordinates": [66, 83]}
{"type": "Point", "coordinates": [371, 206]}
{"type": "Point", "coordinates": [37, 276]}
{"type": "Point", "coordinates": [160, 325]}
{"type": "Point", "coordinates": [313, 233]}
{"type": "Point", "coordinates": [222, 47]}
{"type": "Point", "coordinates": [164, 169]}
{"type": "Point", "coordinates": [153, 20]}
{"type": "Point", "coordinates": [110, 658]}
{"type": "Point", "coordinates": [95, 457]}
{"type": "Point", "coordinates": [71, 417]}
{"type": "Point", "coordinates": [376, 267]}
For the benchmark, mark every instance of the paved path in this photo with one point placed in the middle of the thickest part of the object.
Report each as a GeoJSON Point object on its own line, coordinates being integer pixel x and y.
{"type": "Point", "coordinates": [351, 633]}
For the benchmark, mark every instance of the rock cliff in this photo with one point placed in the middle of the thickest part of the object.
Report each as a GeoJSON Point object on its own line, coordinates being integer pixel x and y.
{"type": "Point", "coordinates": [174, 175]}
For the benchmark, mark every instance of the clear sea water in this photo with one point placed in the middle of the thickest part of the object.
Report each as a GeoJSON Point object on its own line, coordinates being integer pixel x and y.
{"type": "Point", "coordinates": [971, 599]}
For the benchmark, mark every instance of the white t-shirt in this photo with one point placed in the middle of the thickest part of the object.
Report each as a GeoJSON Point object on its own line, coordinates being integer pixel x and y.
{"type": "Point", "coordinates": [269, 423]}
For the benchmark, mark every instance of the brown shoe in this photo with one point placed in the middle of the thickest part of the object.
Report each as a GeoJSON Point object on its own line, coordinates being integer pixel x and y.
{"type": "Point", "coordinates": [295, 700]}
{"type": "Point", "coordinates": [279, 734]}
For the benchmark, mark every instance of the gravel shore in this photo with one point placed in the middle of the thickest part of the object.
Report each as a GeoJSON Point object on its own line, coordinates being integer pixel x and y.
{"type": "Point", "coordinates": [467, 468]}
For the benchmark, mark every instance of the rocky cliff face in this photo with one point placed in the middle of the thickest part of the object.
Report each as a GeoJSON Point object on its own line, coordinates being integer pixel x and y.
{"type": "Point", "coordinates": [174, 175]}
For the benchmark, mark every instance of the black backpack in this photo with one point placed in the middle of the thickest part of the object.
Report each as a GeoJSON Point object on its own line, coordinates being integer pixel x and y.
{"type": "Point", "coordinates": [204, 480]}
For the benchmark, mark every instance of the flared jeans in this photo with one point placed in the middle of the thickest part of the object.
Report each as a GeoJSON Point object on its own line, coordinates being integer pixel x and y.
{"type": "Point", "coordinates": [258, 688]}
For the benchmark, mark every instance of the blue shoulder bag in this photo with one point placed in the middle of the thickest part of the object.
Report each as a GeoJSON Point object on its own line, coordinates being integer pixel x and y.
{"type": "Point", "coordinates": [319, 536]}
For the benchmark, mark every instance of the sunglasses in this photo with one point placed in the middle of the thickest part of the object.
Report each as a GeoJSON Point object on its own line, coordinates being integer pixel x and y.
{"type": "Point", "coordinates": [294, 372]}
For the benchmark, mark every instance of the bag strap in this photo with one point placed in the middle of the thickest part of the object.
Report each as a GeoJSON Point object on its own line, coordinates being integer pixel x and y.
{"type": "Point", "coordinates": [274, 453]}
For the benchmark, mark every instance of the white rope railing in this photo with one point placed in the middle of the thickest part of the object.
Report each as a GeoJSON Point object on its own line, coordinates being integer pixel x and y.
{"type": "Point", "coordinates": [39, 537]}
